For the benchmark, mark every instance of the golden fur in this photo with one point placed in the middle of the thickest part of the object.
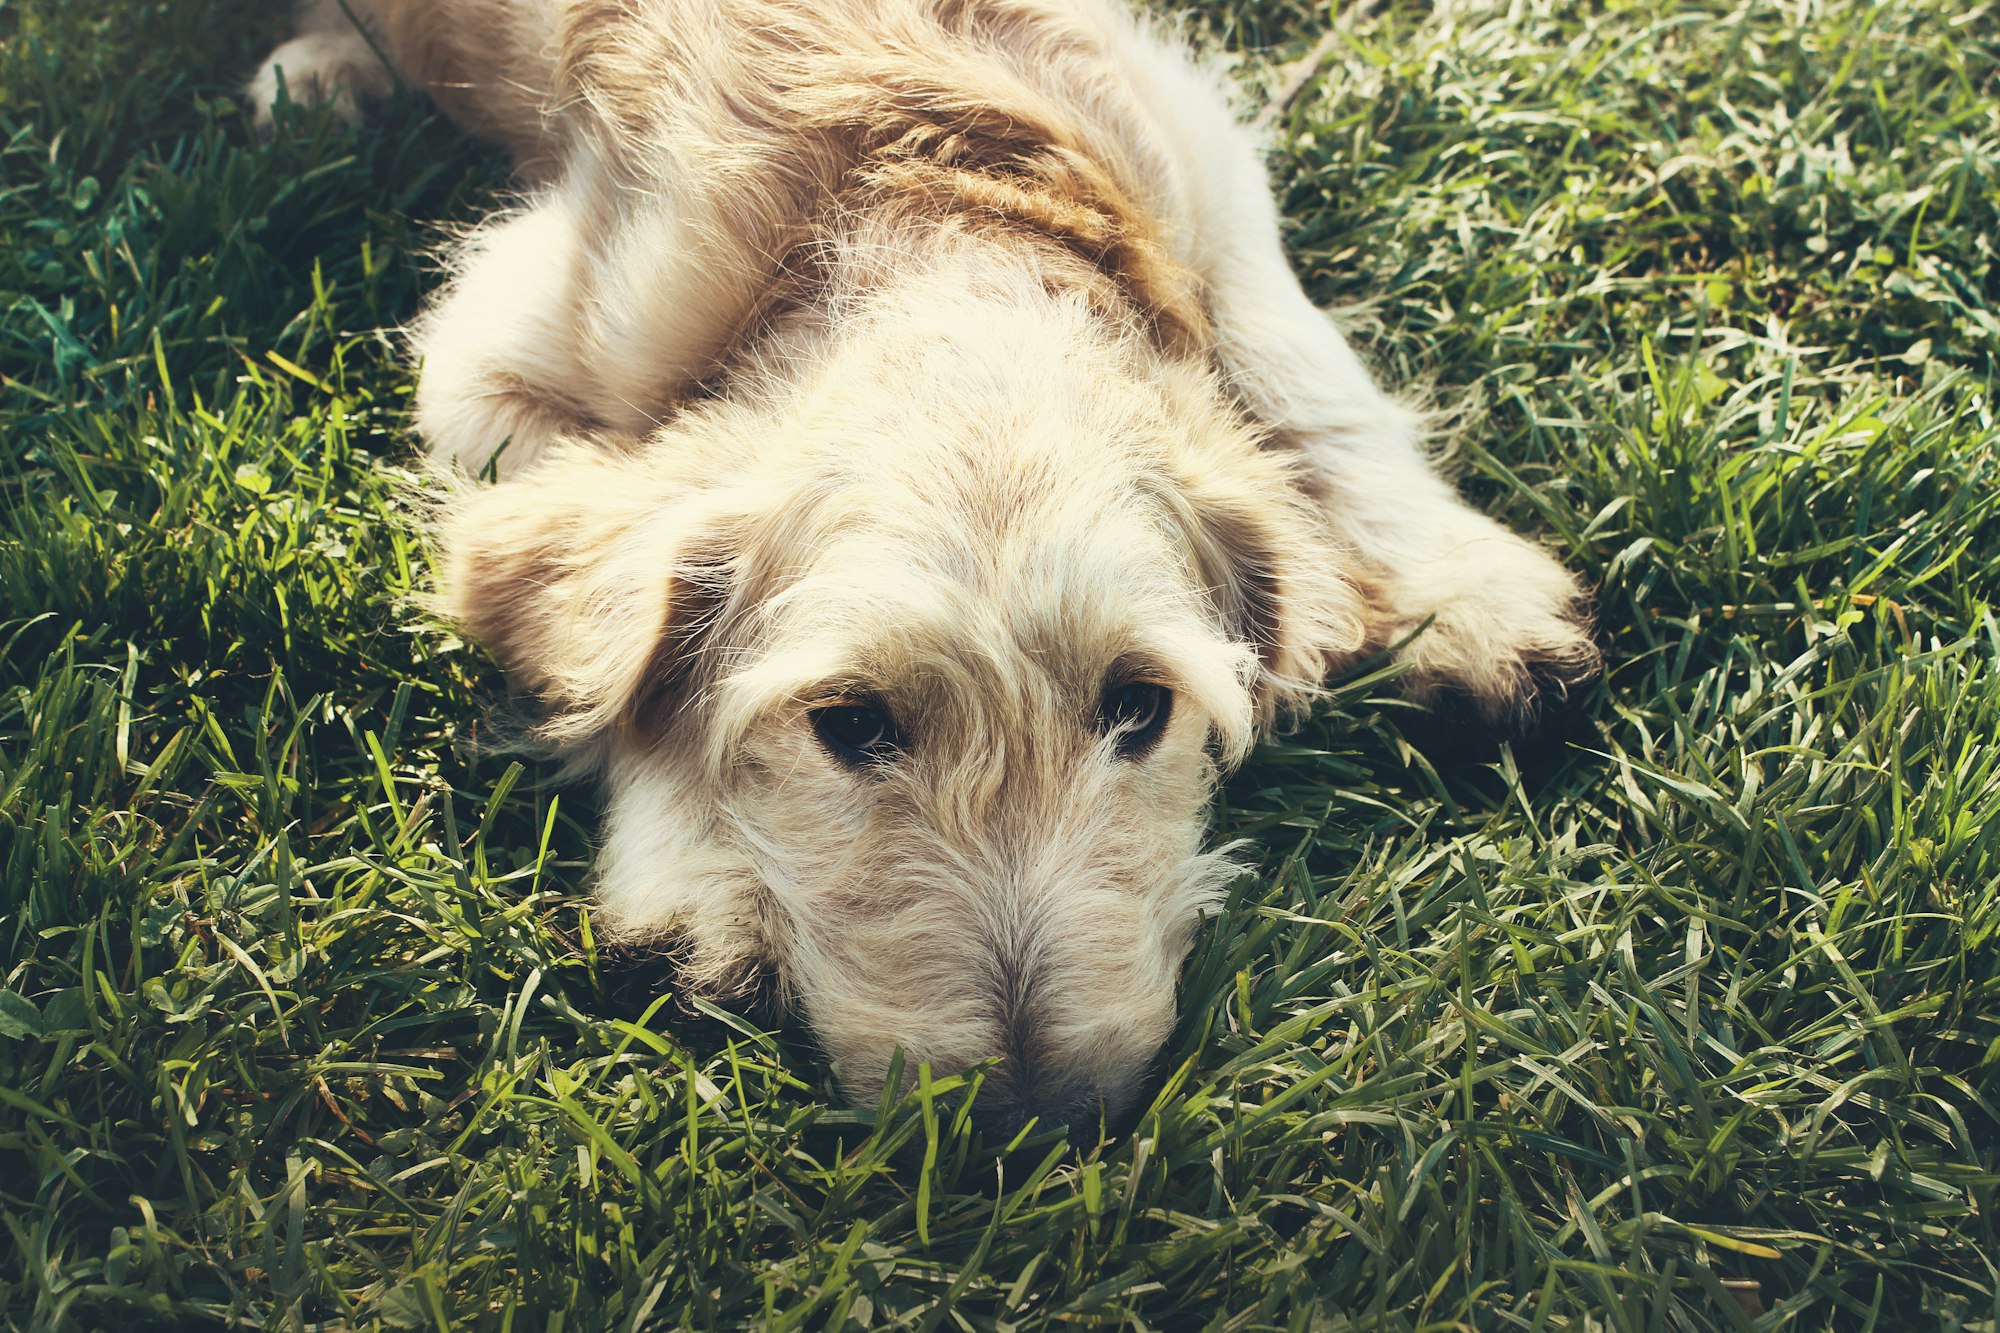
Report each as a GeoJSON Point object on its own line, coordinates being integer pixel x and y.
{"type": "Point", "coordinates": [938, 355]}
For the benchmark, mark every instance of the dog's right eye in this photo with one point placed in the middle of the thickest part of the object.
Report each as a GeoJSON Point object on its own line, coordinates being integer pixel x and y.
{"type": "Point", "coordinates": [858, 734]}
{"type": "Point", "coordinates": [1134, 714]}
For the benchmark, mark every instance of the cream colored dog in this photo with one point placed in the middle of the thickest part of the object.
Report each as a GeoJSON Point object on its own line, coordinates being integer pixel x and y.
{"type": "Point", "coordinates": [921, 475]}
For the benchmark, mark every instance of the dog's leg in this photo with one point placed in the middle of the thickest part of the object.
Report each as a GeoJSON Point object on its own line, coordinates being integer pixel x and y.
{"type": "Point", "coordinates": [499, 346]}
{"type": "Point", "coordinates": [559, 323]}
{"type": "Point", "coordinates": [1504, 619]}
{"type": "Point", "coordinates": [329, 61]}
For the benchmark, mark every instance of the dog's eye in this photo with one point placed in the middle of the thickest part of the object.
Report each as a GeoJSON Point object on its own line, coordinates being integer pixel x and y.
{"type": "Point", "coordinates": [857, 734]}
{"type": "Point", "coordinates": [1134, 714]}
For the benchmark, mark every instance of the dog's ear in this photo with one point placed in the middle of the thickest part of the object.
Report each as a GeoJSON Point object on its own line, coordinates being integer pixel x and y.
{"type": "Point", "coordinates": [591, 579]}
{"type": "Point", "coordinates": [1274, 570]}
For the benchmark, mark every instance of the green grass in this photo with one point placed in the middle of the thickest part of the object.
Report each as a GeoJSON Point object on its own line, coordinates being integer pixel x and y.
{"type": "Point", "coordinates": [1693, 1023]}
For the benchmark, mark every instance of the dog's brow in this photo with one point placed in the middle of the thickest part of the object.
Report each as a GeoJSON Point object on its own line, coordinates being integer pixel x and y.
{"type": "Point", "coordinates": [841, 689]}
{"type": "Point", "coordinates": [1134, 668]}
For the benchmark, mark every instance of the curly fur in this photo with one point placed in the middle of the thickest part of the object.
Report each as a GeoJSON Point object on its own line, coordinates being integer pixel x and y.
{"type": "Point", "coordinates": [939, 353]}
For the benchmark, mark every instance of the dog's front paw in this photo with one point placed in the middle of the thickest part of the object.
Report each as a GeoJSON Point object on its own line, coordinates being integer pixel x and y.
{"type": "Point", "coordinates": [1493, 621]}
{"type": "Point", "coordinates": [337, 70]}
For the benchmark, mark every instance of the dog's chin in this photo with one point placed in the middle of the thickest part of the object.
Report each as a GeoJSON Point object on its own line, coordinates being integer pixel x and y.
{"type": "Point", "coordinates": [1085, 1109]}
{"type": "Point", "coordinates": [1003, 1105]}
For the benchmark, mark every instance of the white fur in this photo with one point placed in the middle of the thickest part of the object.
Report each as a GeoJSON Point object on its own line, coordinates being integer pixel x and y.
{"type": "Point", "coordinates": [941, 354]}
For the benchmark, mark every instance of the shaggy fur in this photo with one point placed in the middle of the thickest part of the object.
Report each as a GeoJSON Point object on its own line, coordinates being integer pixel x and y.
{"type": "Point", "coordinates": [939, 355]}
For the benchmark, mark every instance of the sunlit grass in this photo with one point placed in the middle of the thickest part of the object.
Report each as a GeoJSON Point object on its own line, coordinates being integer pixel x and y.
{"type": "Point", "coordinates": [1688, 1018]}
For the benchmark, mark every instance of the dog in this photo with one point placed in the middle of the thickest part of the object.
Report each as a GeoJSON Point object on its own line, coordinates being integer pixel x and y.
{"type": "Point", "coordinates": [917, 476]}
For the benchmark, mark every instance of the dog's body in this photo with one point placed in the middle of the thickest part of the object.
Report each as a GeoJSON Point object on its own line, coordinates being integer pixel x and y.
{"type": "Point", "coordinates": [922, 473]}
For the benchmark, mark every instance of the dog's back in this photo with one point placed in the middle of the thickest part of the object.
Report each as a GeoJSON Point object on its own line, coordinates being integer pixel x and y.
{"type": "Point", "coordinates": [719, 89]}
{"type": "Point", "coordinates": [764, 123]}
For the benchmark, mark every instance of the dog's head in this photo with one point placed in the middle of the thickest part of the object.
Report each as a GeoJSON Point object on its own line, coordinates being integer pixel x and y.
{"type": "Point", "coordinates": [911, 684]}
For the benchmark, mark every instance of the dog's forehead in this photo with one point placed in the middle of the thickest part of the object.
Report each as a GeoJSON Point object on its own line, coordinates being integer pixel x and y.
{"type": "Point", "coordinates": [1059, 580]}
{"type": "Point", "coordinates": [989, 586]}
{"type": "Point", "coordinates": [981, 388]}
{"type": "Point", "coordinates": [1043, 498]}
{"type": "Point", "coordinates": [1019, 484]}
{"type": "Point", "coordinates": [991, 492]}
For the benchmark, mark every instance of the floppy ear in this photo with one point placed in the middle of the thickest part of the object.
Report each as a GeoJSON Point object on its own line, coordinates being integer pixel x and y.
{"type": "Point", "coordinates": [590, 578]}
{"type": "Point", "coordinates": [1275, 571]}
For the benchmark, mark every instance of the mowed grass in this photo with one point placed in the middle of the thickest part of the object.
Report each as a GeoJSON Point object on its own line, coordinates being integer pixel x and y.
{"type": "Point", "coordinates": [1686, 1018]}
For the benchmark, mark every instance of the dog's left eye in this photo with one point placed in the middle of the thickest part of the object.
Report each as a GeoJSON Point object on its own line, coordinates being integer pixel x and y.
{"type": "Point", "coordinates": [1134, 714]}
{"type": "Point", "coordinates": [858, 734]}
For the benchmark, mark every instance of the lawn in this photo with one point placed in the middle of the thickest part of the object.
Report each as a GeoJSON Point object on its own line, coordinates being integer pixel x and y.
{"type": "Point", "coordinates": [1686, 1016]}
